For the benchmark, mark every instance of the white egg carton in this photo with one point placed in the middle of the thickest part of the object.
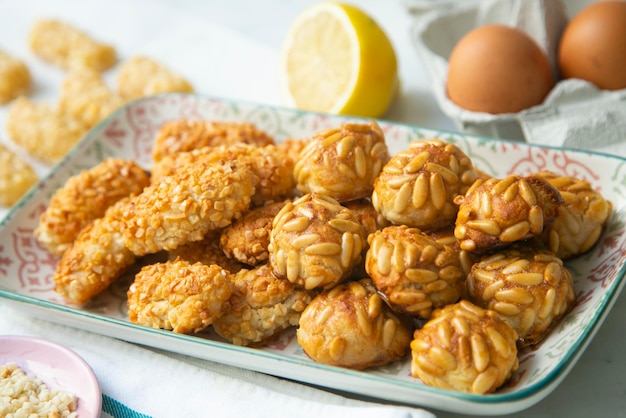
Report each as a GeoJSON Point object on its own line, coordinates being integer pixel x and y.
{"type": "Point", "coordinates": [575, 114]}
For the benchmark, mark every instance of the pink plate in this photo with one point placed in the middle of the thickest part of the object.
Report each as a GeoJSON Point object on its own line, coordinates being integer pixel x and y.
{"type": "Point", "coordinates": [57, 366]}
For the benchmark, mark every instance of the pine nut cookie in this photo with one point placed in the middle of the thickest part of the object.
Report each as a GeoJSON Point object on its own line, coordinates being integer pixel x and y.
{"type": "Point", "coordinates": [179, 296]}
{"type": "Point", "coordinates": [315, 242]}
{"type": "Point", "coordinates": [497, 212]}
{"type": "Point", "coordinates": [413, 271]}
{"type": "Point", "coordinates": [528, 287]}
{"type": "Point", "coordinates": [466, 348]}
{"type": "Point", "coordinates": [342, 162]}
{"type": "Point", "coordinates": [351, 326]}
{"type": "Point", "coordinates": [262, 306]}
{"type": "Point", "coordinates": [417, 186]}
{"type": "Point", "coordinates": [371, 221]}
{"type": "Point", "coordinates": [580, 220]}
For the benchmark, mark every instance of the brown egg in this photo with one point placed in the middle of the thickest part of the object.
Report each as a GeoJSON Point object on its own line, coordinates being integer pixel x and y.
{"type": "Point", "coordinates": [593, 45]}
{"type": "Point", "coordinates": [498, 69]}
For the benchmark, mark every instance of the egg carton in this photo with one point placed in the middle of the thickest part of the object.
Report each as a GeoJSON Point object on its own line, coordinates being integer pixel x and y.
{"type": "Point", "coordinates": [575, 114]}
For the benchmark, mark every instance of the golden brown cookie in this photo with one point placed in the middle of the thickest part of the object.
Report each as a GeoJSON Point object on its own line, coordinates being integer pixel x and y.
{"type": "Point", "coordinates": [43, 131]}
{"type": "Point", "coordinates": [15, 78]}
{"type": "Point", "coordinates": [274, 179]}
{"type": "Point", "coordinates": [417, 187]}
{"type": "Point", "coordinates": [142, 76]}
{"type": "Point", "coordinates": [262, 306]}
{"type": "Point", "coordinates": [465, 348]}
{"type": "Point", "coordinates": [528, 287]}
{"type": "Point", "coordinates": [86, 97]}
{"type": "Point", "coordinates": [185, 206]}
{"type": "Point", "coordinates": [206, 251]}
{"type": "Point", "coordinates": [16, 177]}
{"type": "Point", "coordinates": [498, 212]}
{"type": "Point", "coordinates": [85, 197]}
{"type": "Point", "coordinates": [342, 162]}
{"type": "Point", "coordinates": [179, 296]}
{"type": "Point", "coordinates": [246, 240]}
{"type": "Point", "coordinates": [371, 221]}
{"type": "Point", "coordinates": [351, 326]}
{"type": "Point", "coordinates": [66, 46]}
{"type": "Point", "coordinates": [580, 220]}
{"type": "Point", "coordinates": [315, 242]}
{"type": "Point", "coordinates": [187, 134]}
{"type": "Point", "coordinates": [96, 258]}
{"type": "Point", "coordinates": [413, 271]}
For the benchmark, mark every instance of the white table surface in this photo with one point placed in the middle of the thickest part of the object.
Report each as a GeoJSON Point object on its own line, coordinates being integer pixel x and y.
{"type": "Point", "coordinates": [597, 384]}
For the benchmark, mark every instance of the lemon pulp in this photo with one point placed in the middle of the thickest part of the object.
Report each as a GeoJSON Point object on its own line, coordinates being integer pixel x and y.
{"type": "Point", "coordinates": [337, 59]}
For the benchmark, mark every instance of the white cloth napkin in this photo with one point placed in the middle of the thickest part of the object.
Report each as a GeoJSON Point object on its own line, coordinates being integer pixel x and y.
{"type": "Point", "coordinates": [157, 384]}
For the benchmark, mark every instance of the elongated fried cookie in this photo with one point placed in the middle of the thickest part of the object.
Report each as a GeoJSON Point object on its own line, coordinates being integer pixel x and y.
{"type": "Point", "coordinates": [95, 259]}
{"type": "Point", "coordinates": [85, 197]}
{"type": "Point", "coordinates": [183, 207]}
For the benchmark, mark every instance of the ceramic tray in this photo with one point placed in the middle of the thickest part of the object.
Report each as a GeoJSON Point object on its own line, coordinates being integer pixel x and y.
{"type": "Point", "coordinates": [26, 268]}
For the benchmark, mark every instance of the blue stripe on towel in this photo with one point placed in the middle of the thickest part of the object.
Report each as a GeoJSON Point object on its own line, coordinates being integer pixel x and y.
{"type": "Point", "coordinates": [118, 410]}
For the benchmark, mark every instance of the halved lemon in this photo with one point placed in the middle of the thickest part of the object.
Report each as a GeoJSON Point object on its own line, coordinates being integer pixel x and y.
{"type": "Point", "coordinates": [337, 59]}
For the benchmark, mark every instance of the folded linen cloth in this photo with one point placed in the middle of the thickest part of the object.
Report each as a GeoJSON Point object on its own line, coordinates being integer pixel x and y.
{"type": "Point", "coordinates": [138, 382]}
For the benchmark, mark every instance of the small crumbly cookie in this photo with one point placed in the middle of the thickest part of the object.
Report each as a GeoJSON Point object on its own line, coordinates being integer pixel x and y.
{"type": "Point", "coordinates": [15, 79]}
{"type": "Point", "coordinates": [188, 134]}
{"type": "Point", "coordinates": [351, 326]}
{"type": "Point", "coordinates": [66, 46]}
{"type": "Point", "coordinates": [86, 197]}
{"type": "Point", "coordinates": [413, 271]}
{"type": "Point", "coordinates": [417, 186]}
{"type": "Point", "coordinates": [262, 306]}
{"type": "Point", "coordinates": [497, 212]}
{"type": "Point", "coordinates": [142, 76]}
{"type": "Point", "coordinates": [206, 251]}
{"type": "Point", "coordinates": [367, 215]}
{"type": "Point", "coordinates": [96, 258]}
{"type": "Point", "coordinates": [371, 221]}
{"type": "Point", "coordinates": [342, 162]}
{"type": "Point", "coordinates": [466, 348]}
{"type": "Point", "coordinates": [179, 296]}
{"type": "Point", "coordinates": [445, 237]}
{"type": "Point", "coordinates": [16, 177]}
{"type": "Point", "coordinates": [246, 240]}
{"type": "Point", "coordinates": [86, 97]}
{"type": "Point", "coordinates": [528, 287]}
{"type": "Point", "coordinates": [185, 206]}
{"type": "Point", "coordinates": [291, 149]}
{"type": "Point", "coordinates": [273, 174]}
{"type": "Point", "coordinates": [580, 220]}
{"type": "Point", "coordinates": [315, 242]}
{"type": "Point", "coordinates": [43, 131]}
